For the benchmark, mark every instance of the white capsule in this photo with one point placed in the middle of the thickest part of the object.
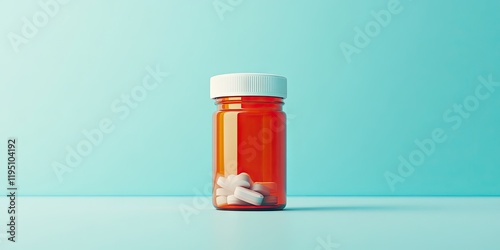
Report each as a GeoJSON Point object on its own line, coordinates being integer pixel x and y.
{"type": "Point", "coordinates": [237, 183]}
{"type": "Point", "coordinates": [221, 200]}
{"type": "Point", "coordinates": [246, 177]}
{"type": "Point", "coordinates": [248, 195]}
{"type": "Point", "coordinates": [233, 181]}
{"type": "Point", "coordinates": [232, 200]}
{"type": "Point", "coordinates": [270, 200]}
{"type": "Point", "coordinates": [221, 181]}
{"type": "Point", "coordinates": [222, 191]}
{"type": "Point", "coordinates": [230, 178]}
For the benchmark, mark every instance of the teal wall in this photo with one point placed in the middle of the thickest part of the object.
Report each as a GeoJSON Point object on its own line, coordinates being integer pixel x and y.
{"type": "Point", "coordinates": [367, 79]}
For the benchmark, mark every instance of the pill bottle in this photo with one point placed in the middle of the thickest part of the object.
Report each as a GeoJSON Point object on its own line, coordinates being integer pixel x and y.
{"type": "Point", "coordinates": [249, 141]}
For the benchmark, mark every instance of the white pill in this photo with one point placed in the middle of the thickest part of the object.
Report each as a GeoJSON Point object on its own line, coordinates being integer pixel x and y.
{"type": "Point", "coordinates": [222, 191]}
{"type": "Point", "coordinates": [233, 181]}
{"type": "Point", "coordinates": [264, 188]}
{"type": "Point", "coordinates": [230, 178]}
{"type": "Point", "coordinates": [246, 177]}
{"type": "Point", "coordinates": [237, 183]}
{"type": "Point", "coordinates": [248, 195]}
{"type": "Point", "coordinates": [221, 181]}
{"type": "Point", "coordinates": [221, 200]}
{"type": "Point", "coordinates": [270, 200]}
{"type": "Point", "coordinates": [232, 200]}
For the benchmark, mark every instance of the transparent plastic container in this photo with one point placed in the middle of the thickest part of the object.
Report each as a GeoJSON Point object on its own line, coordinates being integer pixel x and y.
{"type": "Point", "coordinates": [249, 142]}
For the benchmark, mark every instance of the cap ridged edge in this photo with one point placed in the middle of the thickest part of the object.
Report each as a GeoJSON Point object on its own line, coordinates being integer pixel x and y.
{"type": "Point", "coordinates": [248, 84]}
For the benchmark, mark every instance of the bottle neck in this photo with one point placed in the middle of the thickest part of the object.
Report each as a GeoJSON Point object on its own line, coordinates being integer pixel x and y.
{"type": "Point", "coordinates": [249, 103]}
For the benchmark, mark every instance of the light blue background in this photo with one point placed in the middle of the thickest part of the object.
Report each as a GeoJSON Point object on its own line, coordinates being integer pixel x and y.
{"type": "Point", "coordinates": [127, 223]}
{"type": "Point", "coordinates": [348, 122]}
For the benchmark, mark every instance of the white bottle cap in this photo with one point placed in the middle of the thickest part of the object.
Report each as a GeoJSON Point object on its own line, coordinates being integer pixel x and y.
{"type": "Point", "coordinates": [247, 84]}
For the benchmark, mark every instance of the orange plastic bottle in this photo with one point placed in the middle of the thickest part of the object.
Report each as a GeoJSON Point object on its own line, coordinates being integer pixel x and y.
{"type": "Point", "coordinates": [249, 142]}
